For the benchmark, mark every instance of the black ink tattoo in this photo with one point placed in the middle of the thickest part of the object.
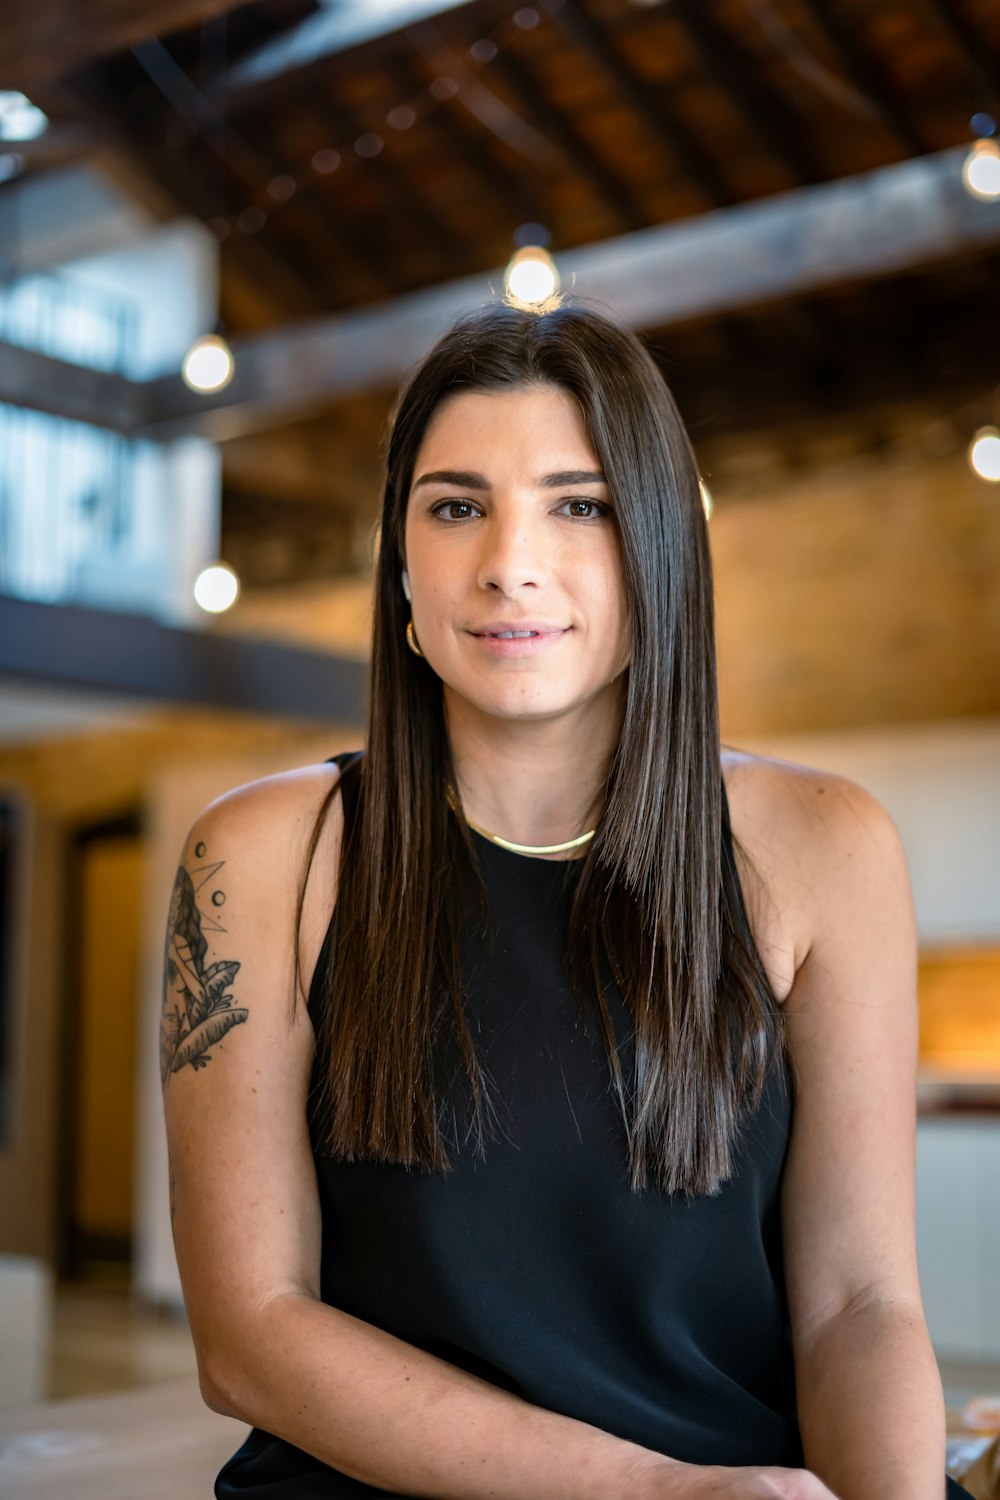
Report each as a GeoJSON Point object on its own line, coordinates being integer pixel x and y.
{"type": "Point", "coordinates": [197, 1008]}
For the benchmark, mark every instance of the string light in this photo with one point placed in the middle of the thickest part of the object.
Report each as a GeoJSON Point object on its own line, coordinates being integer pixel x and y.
{"type": "Point", "coordinates": [401, 117]}
{"type": "Point", "coordinates": [984, 454]}
{"type": "Point", "coordinates": [216, 588]}
{"type": "Point", "coordinates": [531, 277]}
{"type": "Point", "coordinates": [326, 160]}
{"type": "Point", "coordinates": [208, 364]}
{"type": "Point", "coordinates": [981, 170]}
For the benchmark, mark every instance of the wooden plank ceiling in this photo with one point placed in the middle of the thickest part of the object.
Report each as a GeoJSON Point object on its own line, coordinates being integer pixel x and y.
{"type": "Point", "coordinates": [344, 160]}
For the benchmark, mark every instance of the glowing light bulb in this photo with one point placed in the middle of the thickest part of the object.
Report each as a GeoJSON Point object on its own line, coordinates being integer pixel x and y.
{"type": "Point", "coordinates": [984, 454]}
{"type": "Point", "coordinates": [706, 498]}
{"type": "Point", "coordinates": [208, 364]}
{"type": "Point", "coordinates": [20, 120]}
{"type": "Point", "coordinates": [216, 588]}
{"type": "Point", "coordinates": [981, 170]}
{"type": "Point", "coordinates": [531, 276]}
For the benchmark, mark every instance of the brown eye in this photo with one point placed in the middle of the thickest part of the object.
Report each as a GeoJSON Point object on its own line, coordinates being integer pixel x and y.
{"type": "Point", "coordinates": [443, 505]}
{"type": "Point", "coordinates": [597, 506]}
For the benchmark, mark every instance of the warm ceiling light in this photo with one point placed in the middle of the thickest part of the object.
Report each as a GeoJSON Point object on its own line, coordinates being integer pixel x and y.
{"type": "Point", "coordinates": [981, 170]}
{"type": "Point", "coordinates": [20, 120]}
{"type": "Point", "coordinates": [984, 454]}
{"type": "Point", "coordinates": [531, 276]}
{"type": "Point", "coordinates": [216, 588]}
{"type": "Point", "coordinates": [208, 364]}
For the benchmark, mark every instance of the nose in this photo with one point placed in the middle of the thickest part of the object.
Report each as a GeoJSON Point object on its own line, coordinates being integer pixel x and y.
{"type": "Point", "coordinates": [513, 553]}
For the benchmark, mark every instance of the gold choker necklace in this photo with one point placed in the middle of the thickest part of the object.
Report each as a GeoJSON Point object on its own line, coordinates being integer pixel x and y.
{"type": "Point", "coordinates": [520, 848]}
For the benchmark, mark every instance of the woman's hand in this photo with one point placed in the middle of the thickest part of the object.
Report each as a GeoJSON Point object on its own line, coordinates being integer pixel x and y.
{"type": "Point", "coordinates": [667, 1481]}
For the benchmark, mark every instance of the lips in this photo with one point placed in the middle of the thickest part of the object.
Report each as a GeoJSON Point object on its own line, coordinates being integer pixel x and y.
{"type": "Point", "coordinates": [518, 627]}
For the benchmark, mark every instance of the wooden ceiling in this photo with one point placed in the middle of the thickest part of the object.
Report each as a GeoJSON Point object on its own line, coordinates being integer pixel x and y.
{"type": "Point", "coordinates": [341, 170]}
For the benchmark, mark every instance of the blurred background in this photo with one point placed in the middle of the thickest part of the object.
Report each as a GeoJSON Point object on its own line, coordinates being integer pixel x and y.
{"type": "Point", "coordinates": [226, 233]}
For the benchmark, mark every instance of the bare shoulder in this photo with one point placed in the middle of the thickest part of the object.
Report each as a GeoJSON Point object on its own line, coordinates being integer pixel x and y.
{"type": "Point", "coordinates": [802, 836]}
{"type": "Point", "coordinates": [260, 833]}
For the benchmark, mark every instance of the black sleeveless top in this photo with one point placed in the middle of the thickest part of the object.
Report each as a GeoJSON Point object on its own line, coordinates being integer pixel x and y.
{"type": "Point", "coordinates": [660, 1319]}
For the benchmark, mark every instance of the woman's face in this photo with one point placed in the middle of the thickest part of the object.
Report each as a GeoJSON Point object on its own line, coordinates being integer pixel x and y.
{"type": "Point", "coordinates": [509, 524]}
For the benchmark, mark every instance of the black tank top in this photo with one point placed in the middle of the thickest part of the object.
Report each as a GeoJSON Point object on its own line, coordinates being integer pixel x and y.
{"type": "Point", "coordinates": [660, 1319]}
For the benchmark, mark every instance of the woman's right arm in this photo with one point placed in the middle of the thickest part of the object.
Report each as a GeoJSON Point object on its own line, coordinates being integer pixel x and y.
{"type": "Point", "coordinates": [246, 1217]}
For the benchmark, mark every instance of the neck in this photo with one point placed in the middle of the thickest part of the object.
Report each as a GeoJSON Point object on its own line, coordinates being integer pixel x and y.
{"type": "Point", "coordinates": [537, 785]}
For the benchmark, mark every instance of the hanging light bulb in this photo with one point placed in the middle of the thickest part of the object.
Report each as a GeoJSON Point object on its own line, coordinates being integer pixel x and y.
{"type": "Point", "coordinates": [981, 170]}
{"type": "Point", "coordinates": [20, 120]}
{"type": "Point", "coordinates": [216, 588]}
{"type": "Point", "coordinates": [531, 276]}
{"type": "Point", "coordinates": [984, 454]}
{"type": "Point", "coordinates": [208, 364]}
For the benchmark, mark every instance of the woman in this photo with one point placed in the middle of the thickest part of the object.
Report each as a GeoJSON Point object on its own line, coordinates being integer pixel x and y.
{"type": "Point", "coordinates": [513, 1204]}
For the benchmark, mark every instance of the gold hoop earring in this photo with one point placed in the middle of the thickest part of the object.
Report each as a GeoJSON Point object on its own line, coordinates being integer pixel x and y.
{"type": "Point", "coordinates": [411, 639]}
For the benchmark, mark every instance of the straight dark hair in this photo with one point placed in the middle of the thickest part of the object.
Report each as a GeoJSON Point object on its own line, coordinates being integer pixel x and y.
{"type": "Point", "coordinates": [657, 905]}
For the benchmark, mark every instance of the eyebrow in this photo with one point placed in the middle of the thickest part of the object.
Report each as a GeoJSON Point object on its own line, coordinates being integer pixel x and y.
{"type": "Point", "coordinates": [468, 480]}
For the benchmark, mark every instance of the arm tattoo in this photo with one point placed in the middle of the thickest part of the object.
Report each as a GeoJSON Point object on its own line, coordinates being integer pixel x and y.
{"type": "Point", "coordinates": [197, 1010]}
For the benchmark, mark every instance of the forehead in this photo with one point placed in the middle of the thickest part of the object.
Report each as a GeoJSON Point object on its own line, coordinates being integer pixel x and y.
{"type": "Point", "coordinates": [521, 420]}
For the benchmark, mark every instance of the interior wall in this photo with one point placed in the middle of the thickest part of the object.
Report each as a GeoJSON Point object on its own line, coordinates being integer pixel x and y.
{"type": "Point", "coordinates": [865, 595]}
{"type": "Point", "coordinates": [27, 1197]}
{"type": "Point", "coordinates": [941, 785]}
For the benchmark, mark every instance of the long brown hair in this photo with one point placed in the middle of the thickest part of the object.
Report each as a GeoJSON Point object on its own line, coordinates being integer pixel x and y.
{"type": "Point", "coordinates": [657, 905]}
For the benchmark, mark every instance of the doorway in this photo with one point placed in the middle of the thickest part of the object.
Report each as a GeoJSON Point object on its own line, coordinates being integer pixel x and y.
{"type": "Point", "coordinates": [98, 1048]}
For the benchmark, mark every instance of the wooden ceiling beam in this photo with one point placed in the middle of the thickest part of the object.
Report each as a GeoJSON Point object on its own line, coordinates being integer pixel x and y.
{"type": "Point", "coordinates": [521, 201]}
{"type": "Point", "coordinates": [41, 43]}
{"type": "Point", "coordinates": [678, 142]}
{"type": "Point", "coordinates": [533, 99]}
{"type": "Point", "coordinates": [263, 286]}
{"type": "Point", "coordinates": [762, 107]}
{"type": "Point", "coordinates": [395, 188]}
{"type": "Point", "coordinates": [329, 474]}
{"type": "Point", "coordinates": [247, 159]}
{"type": "Point", "coordinates": [973, 47]}
{"type": "Point", "coordinates": [868, 79]}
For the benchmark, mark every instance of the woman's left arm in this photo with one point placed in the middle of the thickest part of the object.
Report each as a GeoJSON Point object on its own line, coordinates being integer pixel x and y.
{"type": "Point", "coordinates": [869, 1394]}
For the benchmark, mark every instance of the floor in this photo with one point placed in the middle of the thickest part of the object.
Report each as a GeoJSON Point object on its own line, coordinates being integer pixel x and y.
{"type": "Point", "coordinates": [102, 1342]}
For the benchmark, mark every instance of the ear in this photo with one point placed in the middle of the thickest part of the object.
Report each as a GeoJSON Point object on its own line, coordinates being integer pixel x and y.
{"type": "Point", "coordinates": [406, 583]}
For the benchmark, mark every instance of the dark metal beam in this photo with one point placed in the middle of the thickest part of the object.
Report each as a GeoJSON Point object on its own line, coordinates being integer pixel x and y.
{"type": "Point", "coordinates": [61, 389]}
{"type": "Point", "coordinates": [325, 35]}
{"type": "Point", "coordinates": [106, 651]}
{"type": "Point", "coordinates": [854, 229]}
